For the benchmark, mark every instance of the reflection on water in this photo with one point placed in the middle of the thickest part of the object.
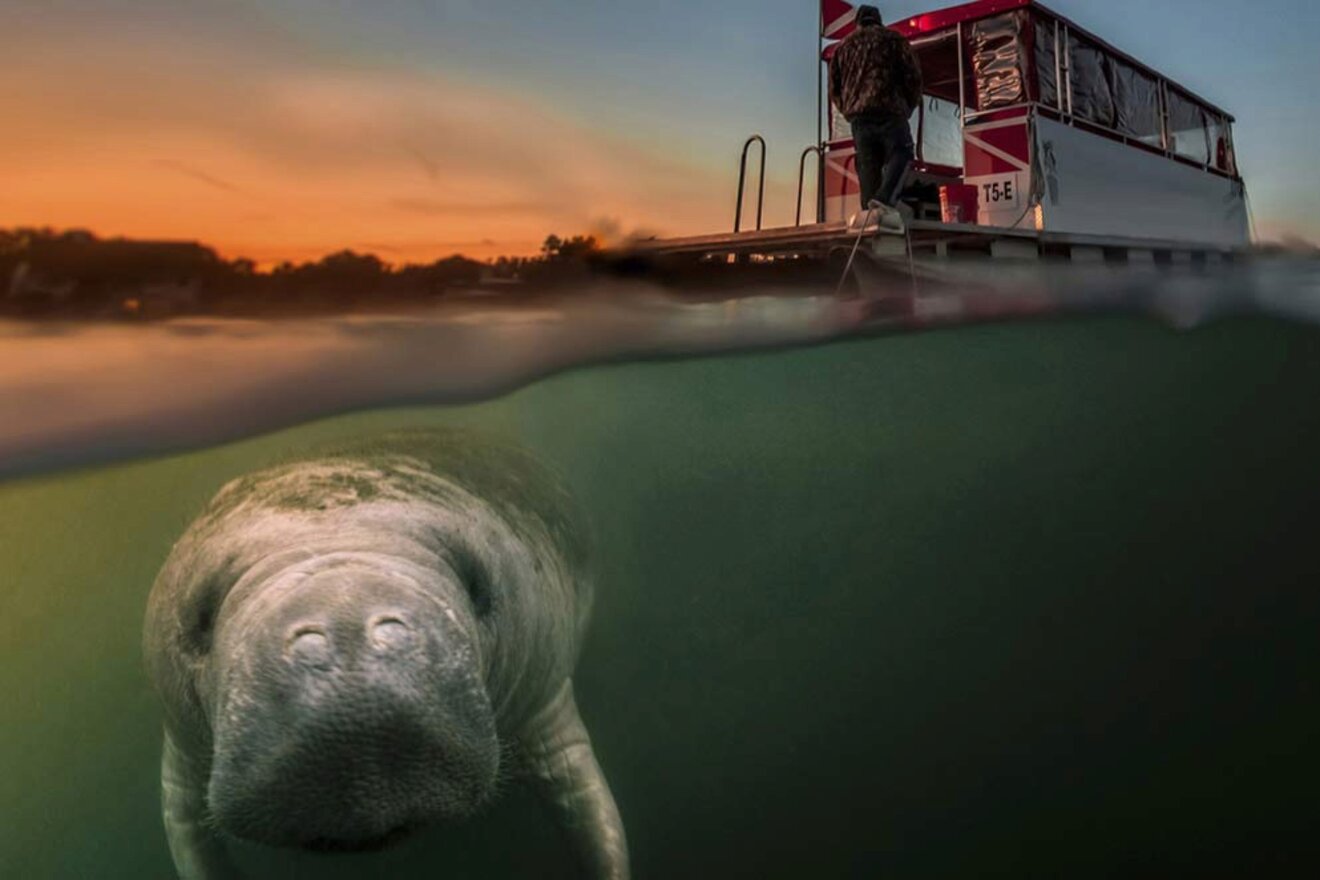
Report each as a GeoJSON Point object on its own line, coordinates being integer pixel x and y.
{"type": "Point", "coordinates": [98, 392]}
{"type": "Point", "coordinates": [1029, 598]}
{"type": "Point", "coordinates": [76, 394]}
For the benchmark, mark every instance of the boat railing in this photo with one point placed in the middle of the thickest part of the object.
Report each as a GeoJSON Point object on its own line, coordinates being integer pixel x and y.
{"type": "Point", "coordinates": [802, 179]}
{"type": "Point", "coordinates": [742, 182]}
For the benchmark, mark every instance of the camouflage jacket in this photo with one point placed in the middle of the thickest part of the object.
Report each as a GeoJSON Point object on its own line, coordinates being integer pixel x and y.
{"type": "Point", "coordinates": [874, 73]}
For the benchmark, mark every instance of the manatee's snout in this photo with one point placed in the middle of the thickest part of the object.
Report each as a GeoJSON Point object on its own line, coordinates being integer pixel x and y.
{"type": "Point", "coordinates": [350, 708]}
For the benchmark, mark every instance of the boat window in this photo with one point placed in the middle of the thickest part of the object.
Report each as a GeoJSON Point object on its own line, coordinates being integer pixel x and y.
{"type": "Point", "coordinates": [1188, 128]}
{"type": "Point", "coordinates": [1137, 111]}
{"type": "Point", "coordinates": [941, 133]}
{"type": "Point", "coordinates": [1047, 63]}
{"type": "Point", "coordinates": [1221, 143]}
{"type": "Point", "coordinates": [938, 57]}
{"type": "Point", "coordinates": [998, 56]}
{"type": "Point", "coordinates": [1092, 98]}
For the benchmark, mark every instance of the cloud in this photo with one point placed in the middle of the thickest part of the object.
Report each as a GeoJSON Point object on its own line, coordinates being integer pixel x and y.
{"type": "Point", "coordinates": [202, 176]}
{"type": "Point", "coordinates": [442, 208]}
{"type": "Point", "coordinates": [431, 169]}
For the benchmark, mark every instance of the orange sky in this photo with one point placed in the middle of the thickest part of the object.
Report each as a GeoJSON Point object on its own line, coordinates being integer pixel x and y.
{"type": "Point", "coordinates": [142, 139]}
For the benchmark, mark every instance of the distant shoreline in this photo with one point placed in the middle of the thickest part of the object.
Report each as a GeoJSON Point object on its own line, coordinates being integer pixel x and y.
{"type": "Point", "coordinates": [50, 274]}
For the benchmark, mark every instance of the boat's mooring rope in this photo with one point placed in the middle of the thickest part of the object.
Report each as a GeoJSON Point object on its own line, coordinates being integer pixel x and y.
{"type": "Point", "coordinates": [861, 233]}
{"type": "Point", "coordinates": [912, 260]}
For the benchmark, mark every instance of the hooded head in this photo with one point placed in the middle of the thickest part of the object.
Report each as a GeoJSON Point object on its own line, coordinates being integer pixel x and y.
{"type": "Point", "coordinates": [869, 16]}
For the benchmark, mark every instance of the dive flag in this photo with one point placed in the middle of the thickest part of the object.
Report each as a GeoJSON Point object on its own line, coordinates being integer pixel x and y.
{"type": "Point", "coordinates": [837, 19]}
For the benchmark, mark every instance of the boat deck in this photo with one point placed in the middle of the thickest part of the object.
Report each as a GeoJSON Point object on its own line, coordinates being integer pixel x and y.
{"type": "Point", "coordinates": [929, 239]}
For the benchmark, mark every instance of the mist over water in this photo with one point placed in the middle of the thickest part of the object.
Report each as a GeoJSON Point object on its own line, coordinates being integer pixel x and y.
{"type": "Point", "coordinates": [74, 394]}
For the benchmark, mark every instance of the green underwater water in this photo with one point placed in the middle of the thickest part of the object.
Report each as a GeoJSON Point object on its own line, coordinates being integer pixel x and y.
{"type": "Point", "coordinates": [1025, 600]}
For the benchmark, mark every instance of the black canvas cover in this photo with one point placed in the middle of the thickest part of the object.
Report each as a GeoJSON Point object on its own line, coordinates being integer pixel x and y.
{"type": "Point", "coordinates": [1136, 98]}
{"type": "Point", "coordinates": [1047, 63]}
{"type": "Point", "coordinates": [1092, 97]}
{"type": "Point", "coordinates": [999, 59]}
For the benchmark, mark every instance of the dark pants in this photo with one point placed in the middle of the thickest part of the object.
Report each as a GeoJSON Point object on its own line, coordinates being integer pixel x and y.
{"type": "Point", "coordinates": [884, 151]}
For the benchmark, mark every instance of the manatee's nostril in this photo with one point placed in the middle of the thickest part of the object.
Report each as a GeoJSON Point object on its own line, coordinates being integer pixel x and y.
{"type": "Point", "coordinates": [310, 644]}
{"type": "Point", "coordinates": [390, 633]}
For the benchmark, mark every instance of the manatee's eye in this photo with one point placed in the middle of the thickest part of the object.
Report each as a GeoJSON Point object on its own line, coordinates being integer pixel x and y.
{"type": "Point", "coordinates": [200, 628]}
{"type": "Point", "coordinates": [203, 628]}
{"type": "Point", "coordinates": [475, 580]}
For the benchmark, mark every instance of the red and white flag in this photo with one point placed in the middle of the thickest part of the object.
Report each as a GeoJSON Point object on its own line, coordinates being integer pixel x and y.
{"type": "Point", "coordinates": [837, 19]}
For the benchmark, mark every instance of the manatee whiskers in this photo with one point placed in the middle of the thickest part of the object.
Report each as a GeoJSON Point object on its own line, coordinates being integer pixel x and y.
{"type": "Point", "coordinates": [373, 639]}
{"type": "Point", "coordinates": [375, 844]}
{"type": "Point", "coordinates": [510, 772]}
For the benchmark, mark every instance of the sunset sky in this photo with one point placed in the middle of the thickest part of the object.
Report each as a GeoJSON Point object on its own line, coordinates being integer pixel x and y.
{"type": "Point", "coordinates": [286, 129]}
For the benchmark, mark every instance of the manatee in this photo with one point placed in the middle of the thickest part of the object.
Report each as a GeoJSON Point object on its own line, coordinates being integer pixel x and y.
{"type": "Point", "coordinates": [368, 639]}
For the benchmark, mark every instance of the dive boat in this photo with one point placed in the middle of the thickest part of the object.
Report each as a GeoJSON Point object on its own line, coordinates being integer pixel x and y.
{"type": "Point", "coordinates": [1036, 139]}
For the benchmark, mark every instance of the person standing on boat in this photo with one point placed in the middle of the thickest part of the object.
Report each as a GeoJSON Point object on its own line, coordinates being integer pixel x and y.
{"type": "Point", "coordinates": [875, 83]}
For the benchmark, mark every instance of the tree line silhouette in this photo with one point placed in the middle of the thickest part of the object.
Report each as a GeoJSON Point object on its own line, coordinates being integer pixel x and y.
{"type": "Point", "coordinates": [45, 272]}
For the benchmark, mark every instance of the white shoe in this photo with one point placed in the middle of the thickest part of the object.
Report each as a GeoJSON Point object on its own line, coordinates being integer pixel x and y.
{"type": "Point", "coordinates": [891, 219]}
{"type": "Point", "coordinates": [861, 220]}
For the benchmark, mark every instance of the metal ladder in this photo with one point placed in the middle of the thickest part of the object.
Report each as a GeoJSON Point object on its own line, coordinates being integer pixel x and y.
{"type": "Point", "coordinates": [760, 191]}
{"type": "Point", "coordinates": [742, 183]}
{"type": "Point", "coordinates": [820, 184]}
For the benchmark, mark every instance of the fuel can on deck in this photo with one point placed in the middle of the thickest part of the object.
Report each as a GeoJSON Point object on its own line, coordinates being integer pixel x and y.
{"type": "Point", "coordinates": [958, 204]}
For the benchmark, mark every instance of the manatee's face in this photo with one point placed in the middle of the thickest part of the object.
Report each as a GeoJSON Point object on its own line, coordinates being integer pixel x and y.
{"type": "Point", "coordinates": [347, 705]}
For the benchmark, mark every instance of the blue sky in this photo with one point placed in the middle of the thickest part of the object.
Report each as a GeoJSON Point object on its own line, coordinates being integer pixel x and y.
{"type": "Point", "coordinates": [659, 94]}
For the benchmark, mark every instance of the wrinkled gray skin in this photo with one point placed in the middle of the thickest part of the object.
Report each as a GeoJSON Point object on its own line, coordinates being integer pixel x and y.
{"type": "Point", "coordinates": [366, 641]}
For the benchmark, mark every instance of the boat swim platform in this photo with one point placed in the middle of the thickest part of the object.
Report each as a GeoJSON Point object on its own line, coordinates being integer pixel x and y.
{"type": "Point", "coordinates": [930, 239]}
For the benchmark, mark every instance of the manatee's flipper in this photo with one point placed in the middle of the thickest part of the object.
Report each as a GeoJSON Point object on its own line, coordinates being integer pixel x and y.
{"type": "Point", "coordinates": [199, 853]}
{"type": "Point", "coordinates": [558, 751]}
